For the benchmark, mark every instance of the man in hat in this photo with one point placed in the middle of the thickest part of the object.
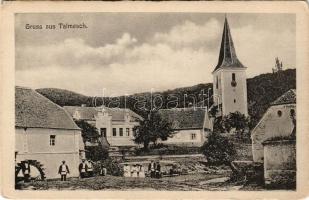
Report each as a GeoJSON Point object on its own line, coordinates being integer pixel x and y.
{"type": "Point", "coordinates": [63, 171]}
{"type": "Point", "coordinates": [82, 169]}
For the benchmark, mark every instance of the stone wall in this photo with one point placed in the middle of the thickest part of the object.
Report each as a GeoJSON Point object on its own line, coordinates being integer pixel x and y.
{"type": "Point", "coordinates": [280, 164]}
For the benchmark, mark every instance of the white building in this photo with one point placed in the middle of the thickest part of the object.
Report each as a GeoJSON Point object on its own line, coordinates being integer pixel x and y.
{"type": "Point", "coordinates": [115, 125]}
{"type": "Point", "coordinates": [229, 84]}
{"type": "Point", "coordinates": [275, 123]}
{"type": "Point", "coordinates": [45, 132]}
{"type": "Point", "coordinates": [191, 125]}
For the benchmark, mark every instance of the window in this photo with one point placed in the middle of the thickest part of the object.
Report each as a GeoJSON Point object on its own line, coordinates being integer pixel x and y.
{"type": "Point", "coordinates": [233, 77]}
{"type": "Point", "coordinates": [114, 132]}
{"type": "Point", "coordinates": [103, 132]}
{"type": "Point", "coordinates": [127, 132]}
{"type": "Point", "coordinates": [193, 136]}
{"type": "Point", "coordinates": [292, 112]}
{"type": "Point", "coordinates": [234, 100]}
{"type": "Point", "coordinates": [52, 140]}
{"type": "Point", "coordinates": [279, 113]}
{"type": "Point", "coordinates": [120, 131]}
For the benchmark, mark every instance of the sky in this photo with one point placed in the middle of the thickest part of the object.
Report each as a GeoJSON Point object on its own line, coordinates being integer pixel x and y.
{"type": "Point", "coordinates": [127, 53]}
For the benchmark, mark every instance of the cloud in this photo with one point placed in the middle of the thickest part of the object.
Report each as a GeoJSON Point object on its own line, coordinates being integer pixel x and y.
{"type": "Point", "coordinates": [257, 49]}
{"type": "Point", "coordinates": [72, 53]}
{"type": "Point", "coordinates": [183, 56]}
{"type": "Point", "coordinates": [190, 34]}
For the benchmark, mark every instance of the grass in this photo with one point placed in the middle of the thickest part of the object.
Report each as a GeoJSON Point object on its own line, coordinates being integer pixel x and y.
{"type": "Point", "coordinates": [183, 183]}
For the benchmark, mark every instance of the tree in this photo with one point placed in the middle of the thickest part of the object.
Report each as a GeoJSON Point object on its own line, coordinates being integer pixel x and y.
{"type": "Point", "coordinates": [236, 121]}
{"type": "Point", "coordinates": [91, 134]}
{"type": "Point", "coordinates": [151, 129]}
{"type": "Point", "coordinates": [218, 149]}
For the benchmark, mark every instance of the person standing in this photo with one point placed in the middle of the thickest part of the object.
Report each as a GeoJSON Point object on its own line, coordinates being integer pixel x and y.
{"type": "Point", "coordinates": [152, 169]}
{"type": "Point", "coordinates": [82, 169]}
{"type": "Point", "coordinates": [158, 170]}
{"type": "Point", "coordinates": [26, 171]}
{"type": "Point", "coordinates": [126, 170]}
{"type": "Point", "coordinates": [89, 168]}
{"type": "Point", "coordinates": [63, 171]}
{"type": "Point", "coordinates": [142, 172]}
{"type": "Point", "coordinates": [103, 171]}
{"type": "Point", "coordinates": [134, 171]}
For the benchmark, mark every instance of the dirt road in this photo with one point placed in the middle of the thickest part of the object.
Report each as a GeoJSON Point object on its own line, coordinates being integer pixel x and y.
{"type": "Point", "coordinates": [193, 182]}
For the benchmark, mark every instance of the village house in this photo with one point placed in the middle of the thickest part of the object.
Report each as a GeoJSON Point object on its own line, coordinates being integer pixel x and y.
{"type": "Point", "coordinates": [115, 125]}
{"type": "Point", "coordinates": [273, 140]}
{"type": "Point", "coordinates": [276, 122]}
{"type": "Point", "coordinates": [46, 133]}
{"type": "Point", "coordinates": [190, 126]}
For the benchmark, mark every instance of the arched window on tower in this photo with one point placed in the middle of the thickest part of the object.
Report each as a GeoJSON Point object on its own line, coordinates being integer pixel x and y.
{"type": "Point", "coordinates": [233, 82]}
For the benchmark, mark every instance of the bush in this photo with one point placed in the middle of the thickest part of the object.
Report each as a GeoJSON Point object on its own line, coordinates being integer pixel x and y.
{"type": "Point", "coordinates": [162, 149]}
{"type": "Point", "coordinates": [112, 166]}
{"type": "Point", "coordinates": [218, 149]}
{"type": "Point", "coordinates": [96, 153]}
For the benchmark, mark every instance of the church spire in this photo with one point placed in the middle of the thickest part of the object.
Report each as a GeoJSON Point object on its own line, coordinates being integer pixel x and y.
{"type": "Point", "coordinates": [227, 55]}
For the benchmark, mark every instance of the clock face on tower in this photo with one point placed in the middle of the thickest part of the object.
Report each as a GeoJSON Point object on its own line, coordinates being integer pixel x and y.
{"type": "Point", "coordinates": [233, 83]}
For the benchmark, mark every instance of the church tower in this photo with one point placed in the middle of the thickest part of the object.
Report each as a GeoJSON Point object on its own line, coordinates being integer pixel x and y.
{"type": "Point", "coordinates": [229, 84]}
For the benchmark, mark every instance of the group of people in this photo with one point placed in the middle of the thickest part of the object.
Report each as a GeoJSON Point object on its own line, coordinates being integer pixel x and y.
{"type": "Point", "coordinates": [155, 169]}
{"type": "Point", "coordinates": [85, 170]}
{"type": "Point", "coordinates": [136, 170]}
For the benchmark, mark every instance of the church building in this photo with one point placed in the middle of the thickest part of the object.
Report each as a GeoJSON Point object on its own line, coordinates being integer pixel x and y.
{"type": "Point", "coordinates": [229, 84]}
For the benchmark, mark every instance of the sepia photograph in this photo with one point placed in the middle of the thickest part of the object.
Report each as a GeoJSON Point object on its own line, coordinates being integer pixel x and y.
{"type": "Point", "coordinates": [166, 101]}
{"type": "Point", "coordinates": [152, 100]}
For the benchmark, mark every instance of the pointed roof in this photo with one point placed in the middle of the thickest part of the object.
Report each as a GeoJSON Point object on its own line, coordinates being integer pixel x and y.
{"type": "Point", "coordinates": [287, 98]}
{"type": "Point", "coordinates": [227, 56]}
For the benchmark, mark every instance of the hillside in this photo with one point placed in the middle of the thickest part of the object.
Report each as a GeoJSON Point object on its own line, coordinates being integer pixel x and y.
{"type": "Point", "coordinates": [63, 97]}
{"type": "Point", "coordinates": [262, 90]}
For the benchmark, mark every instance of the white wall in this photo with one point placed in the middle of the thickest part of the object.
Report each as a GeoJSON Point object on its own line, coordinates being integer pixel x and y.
{"type": "Point", "coordinates": [183, 137]}
{"type": "Point", "coordinates": [105, 121]}
{"type": "Point", "coordinates": [227, 93]}
{"type": "Point", "coordinates": [34, 143]}
{"type": "Point", "coordinates": [122, 140]}
{"type": "Point", "coordinates": [271, 125]}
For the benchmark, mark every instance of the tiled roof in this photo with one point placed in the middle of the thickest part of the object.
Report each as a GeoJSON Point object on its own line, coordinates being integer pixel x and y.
{"type": "Point", "coordinates": [184, 118]}
{"type": "Point", "coordinates": [32, 110]}
{"type": "Point", "coordinates": [89, 113]}
{"type": "Point", "coordinates": [287, 98]}
{"type": "Point", "coordinates": [227, 55]}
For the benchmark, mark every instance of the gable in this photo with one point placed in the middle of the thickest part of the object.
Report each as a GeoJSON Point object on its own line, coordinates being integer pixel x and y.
{"type": "Point", "coordinates": [89, 113]}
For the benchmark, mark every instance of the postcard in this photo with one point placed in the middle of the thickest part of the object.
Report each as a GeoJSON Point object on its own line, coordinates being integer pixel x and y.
{"type": "Point", "coordinates": [154, 100]}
